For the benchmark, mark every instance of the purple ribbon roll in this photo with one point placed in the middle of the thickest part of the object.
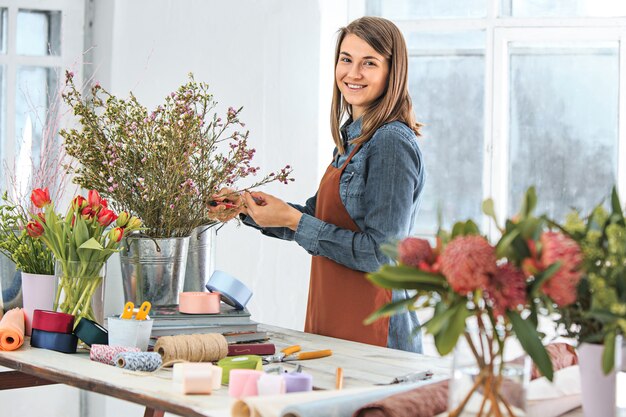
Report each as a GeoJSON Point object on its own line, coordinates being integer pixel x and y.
{"type": "Point", "coordinates": [298, 382]}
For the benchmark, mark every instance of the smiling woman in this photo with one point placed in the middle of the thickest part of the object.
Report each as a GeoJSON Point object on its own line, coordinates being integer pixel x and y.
{"type": "Point", "coordinates": [368, 196]}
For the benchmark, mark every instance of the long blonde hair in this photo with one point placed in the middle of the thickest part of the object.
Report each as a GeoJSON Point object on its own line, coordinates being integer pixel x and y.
{"type": "Point", "coordinates": [395, 102]}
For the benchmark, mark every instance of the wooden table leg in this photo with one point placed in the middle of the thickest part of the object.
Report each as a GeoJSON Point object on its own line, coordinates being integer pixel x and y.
{"type": "Point", "coordinates": [16, 379]}
{"type": "Point", "coordinates": [151, 412]}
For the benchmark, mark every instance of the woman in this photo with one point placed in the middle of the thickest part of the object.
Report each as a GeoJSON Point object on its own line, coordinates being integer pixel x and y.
{"type": "Point", "coordinates": [369, 194]}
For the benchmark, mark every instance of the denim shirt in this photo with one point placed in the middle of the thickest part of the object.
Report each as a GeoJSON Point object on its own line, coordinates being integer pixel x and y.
{"type": "Point", "coordinates": [381, 189]}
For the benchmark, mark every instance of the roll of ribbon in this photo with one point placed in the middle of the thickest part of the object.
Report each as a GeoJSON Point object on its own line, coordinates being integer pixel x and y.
{"type": "Point", "coordinates": [106, 354]}
{"type": "Point", "coordinates": [12, 329]}
{"type": "Point", "coordinates": [199, 302]}
{"type": "Point", "coordinates": [128, 332]}
{"type": "Point", "coordinates": [52, 321]}
{"type": "Point", "coordinates": [243, 382]}
{"type": "Point", "coordinates": [138, 361]}
{"type": "Point", "coordinates": [238, 362]}
{"type": "Point", "coordinates": [298, 382]}
{"type": "Point", "coordinates": [91, 332]}
{"type": "Point", "coordinates": [216, 373]}
{"type": "Point", "coordinates": [232, 291]}
{"type": "Point", "coordinates": [61, 342]}
{"type": "Point", "coordinates": [271, 384]}
{"type": "Point", "coordinates": [194, 378]}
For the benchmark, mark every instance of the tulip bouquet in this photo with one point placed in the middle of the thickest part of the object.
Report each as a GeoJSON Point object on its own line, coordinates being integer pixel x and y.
{"type": "Point", "coordinates": [500, 289]}
{"type": "Point", "coordinates": [81, 242]}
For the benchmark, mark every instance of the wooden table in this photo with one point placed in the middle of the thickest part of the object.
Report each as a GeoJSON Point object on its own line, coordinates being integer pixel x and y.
{"type": "Point", "coordinates": [363, 365]}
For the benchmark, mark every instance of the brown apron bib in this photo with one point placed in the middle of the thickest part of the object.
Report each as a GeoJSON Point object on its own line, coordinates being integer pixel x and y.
{"type": "Point", "coordinates": [340, 298]}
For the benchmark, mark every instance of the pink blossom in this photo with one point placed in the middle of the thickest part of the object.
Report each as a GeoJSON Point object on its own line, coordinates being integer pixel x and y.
{"type": "Point", "coordinates": [506, 289]}
{"type": "Point", "coordinates": [557, 247]}
{"type": "Point", "coordinates": [468, 263]}
{"type": "Point", "coordinates": [413, 251]}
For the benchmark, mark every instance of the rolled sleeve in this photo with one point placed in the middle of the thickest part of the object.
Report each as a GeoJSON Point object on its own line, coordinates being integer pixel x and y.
{"type": "Point", "coordinates": [308, 233]}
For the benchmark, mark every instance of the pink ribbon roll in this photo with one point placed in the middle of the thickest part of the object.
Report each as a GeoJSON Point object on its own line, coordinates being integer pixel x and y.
{"type": "Point", "coordinates": [106, 354]}
{"type": "Point", "coordinates": [199, 302]}
{"type": "Point", "coordinates": [243, 383]}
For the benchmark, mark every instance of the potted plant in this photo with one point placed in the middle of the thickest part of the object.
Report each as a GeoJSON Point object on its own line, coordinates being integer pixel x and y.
{"type": "Point", "coordinates": [598, 317]}
{"type": "Point", "coordinates": [484, 295]}
{"type": "Point", "coordinates": [163, 166]}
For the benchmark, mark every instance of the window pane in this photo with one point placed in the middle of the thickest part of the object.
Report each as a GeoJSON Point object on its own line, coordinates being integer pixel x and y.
{"type": "Point", "coordinates": [3, 30]}
{"type": "Point", "coordinates": [423, 9]}
{"type": "Point", "coordinates": [447, 86]}
{"type": "Point", "coordinates": [563, 8]}
{"type": "Point", "coordinates": [563, 132]}
{"type": "Point", "coordinates": [38, 32]}
{"type": "Point", "coordinates": [34, 112]}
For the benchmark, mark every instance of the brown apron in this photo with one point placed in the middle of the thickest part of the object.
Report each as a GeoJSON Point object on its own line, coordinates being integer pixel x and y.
{"type": "Point", "coordinates": [340, 298]}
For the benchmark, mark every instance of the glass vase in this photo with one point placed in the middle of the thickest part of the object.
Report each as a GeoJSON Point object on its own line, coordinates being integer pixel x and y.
{"type": "Point", "coordinates": [482, 383]}
{"type": "Point", "coordinates": [80, 289]}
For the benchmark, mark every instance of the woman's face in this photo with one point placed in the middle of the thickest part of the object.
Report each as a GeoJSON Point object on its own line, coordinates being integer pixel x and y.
{"type": "Point", "coordinates": [361, 73]}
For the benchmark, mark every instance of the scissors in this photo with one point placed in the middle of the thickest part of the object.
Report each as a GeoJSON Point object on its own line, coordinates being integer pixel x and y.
{"type": "Point", "coordinates": [291, 354]}
{"type": "Point", "coordinates": [129, 309]}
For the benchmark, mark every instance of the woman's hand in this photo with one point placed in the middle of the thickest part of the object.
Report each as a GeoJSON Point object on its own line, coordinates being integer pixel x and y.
{"type": "Point", "coordinates": [226, 205]}
{"type": "Point", "coordinates": [269, 211]}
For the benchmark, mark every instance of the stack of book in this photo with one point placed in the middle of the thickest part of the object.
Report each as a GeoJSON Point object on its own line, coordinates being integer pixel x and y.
{"type": "Point", "coordinates": [234, 324]}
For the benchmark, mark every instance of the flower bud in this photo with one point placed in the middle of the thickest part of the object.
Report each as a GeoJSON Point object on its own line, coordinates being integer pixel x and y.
{"type": "Point", "coordinates": [115, 235]}
{"type": "Point", "coordinates": [34, 229]}
{"type": "Point", "coordinates": [134, 223]}
{"type": "Point", "coordinates": [79, 202]}
{"type": "Point", "coordinates": [122, 219]}
{"type": "Point", "coordinates": [40, 197]}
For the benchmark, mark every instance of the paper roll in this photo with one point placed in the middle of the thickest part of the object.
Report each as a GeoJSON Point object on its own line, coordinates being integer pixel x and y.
{"type": "Point", "coordinates": [199, 302]}
{"type": "Point", "coordinates": [271, 385]}
{"type": "Point", "coordinates": [243, 382]}
{"type": "Point", "coordinates": [12, 330]}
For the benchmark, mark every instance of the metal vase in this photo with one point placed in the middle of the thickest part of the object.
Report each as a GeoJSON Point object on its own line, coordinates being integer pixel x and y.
{"type": "Point", "coordinates": [201, 258]}
{"type": "Point", "coordinates": [153, 269]}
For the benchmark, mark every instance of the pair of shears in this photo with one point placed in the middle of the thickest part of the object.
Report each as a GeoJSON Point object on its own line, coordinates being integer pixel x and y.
{"type": "Point", "coordinates": [291, 354]}
{"type": "Point", "coordinates": [142, 313]}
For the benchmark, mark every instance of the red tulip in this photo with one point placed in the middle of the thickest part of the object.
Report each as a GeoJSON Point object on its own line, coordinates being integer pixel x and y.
{"type": "Point", "coordinates": [94, 199]}
{"type": "Point", "coordinates": [34, 229]}
{"type": "Point", "coordinates": [40, 197]}
{"type": "Point", "coordinates": [106, 217]}
{"type": "Point", "coordinates": [79, 202]}
{"type": "Point", "coordinates": [116, 234]}
{"type": "Point", "coordinates": [87, 213]}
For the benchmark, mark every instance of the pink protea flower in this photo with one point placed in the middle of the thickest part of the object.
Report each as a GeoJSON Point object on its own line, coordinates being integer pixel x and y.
{"type": "Point", "coordinates": [468, 262]}
{"type": "Point", "coordinates": [415, 252]}
{"type": "Point", "coordinates": [561, 287]}
{"type": "Point", "coordinates": [506, 289]}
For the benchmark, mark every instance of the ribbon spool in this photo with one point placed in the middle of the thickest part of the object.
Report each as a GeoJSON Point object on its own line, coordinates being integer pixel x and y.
{"type": "Point", "coordinates": [106, 354]}
{"type": "Point", "coordinates": [91, 332]}
{"type": "Point", "coordinates": [239, 362]}
{"type": "Point", "coordinates": [199, 302]}
{"type": "Point", "coordinates": [52, 321]}
{"type": "Point", "coordinates": [138, 361]}
{"type": "Point", "coordinates": [129, 332]}
{"type": "Point", "coordinates": [61, 342]}
{"type": "Point", "coordinates": [271, 385]}
{"type": "Point", "coordinates": [298, 382]}
{"type": "Point", "coordinates": [215, 373]}
{"type": "Point", "coordinates": [208, 347]}
{"type": "Point", "coordinates": [233, 291]}
{"type": "Point", "coordinates": [243, 382]}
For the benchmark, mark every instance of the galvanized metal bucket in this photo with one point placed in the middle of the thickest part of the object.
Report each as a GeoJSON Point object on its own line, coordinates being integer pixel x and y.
{"type": "Point", "coordinates": [153, 269]}
{"type": "Point", "coordinates": [201, 258]}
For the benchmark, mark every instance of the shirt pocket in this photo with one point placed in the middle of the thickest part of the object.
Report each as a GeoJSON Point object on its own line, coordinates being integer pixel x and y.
{"type": "Point", "coordinates": [351, 184]}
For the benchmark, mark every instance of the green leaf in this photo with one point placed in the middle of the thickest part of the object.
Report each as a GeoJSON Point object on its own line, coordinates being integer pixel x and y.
{"type": "Point", "coordinates": [616, 206]}
{"type": "Point", "coordinates": [447, 338]}
{"type": "Point", "coordinates": [471, 228]}
{"type": "Point", "coordinates": [488, 208]}
{"type": "Point", "coordinates": [440, 319]}
{"type": "Point", "coordinates": [382, 281]}
{"type": "Point", "coordinates": [91, 244]}
{"type": "Point", "coordinates": [543, 276]}
{"type": "Point", "coordinates": [390, 309]}
{"type": "Point", "coordinates": [390, 249]}
{"type": "Point", "coordinates": [529, 203]}
{"type": "Point", "coordinates": [505, 242]}
{"type": "Point", "coordinates": [608, 354]}
{"type": "Point", "coordinates": [531, 342]}
{"type": "Point", "coordinates": [457, 229]}
{"type": "Point", "coordinates": [81, 233]}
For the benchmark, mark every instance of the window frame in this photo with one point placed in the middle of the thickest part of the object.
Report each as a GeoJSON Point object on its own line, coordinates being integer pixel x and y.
{"type": "Point", "coordinates": [499, 32]}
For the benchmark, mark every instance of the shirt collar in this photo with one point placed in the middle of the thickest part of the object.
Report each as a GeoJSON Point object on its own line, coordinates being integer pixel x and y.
{"type": "Point", "coordinates": [352, 129]}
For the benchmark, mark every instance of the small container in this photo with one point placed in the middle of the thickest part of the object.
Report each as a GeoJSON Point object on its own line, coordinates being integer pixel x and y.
{"type": "Point", "coordinates": [129, 332]}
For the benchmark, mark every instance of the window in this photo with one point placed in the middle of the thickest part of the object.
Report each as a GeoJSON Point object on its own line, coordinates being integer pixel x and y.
{"type": "Point", "coordinates": [38, 41]}
{"type": "Point", "coordinates": [514, 93]}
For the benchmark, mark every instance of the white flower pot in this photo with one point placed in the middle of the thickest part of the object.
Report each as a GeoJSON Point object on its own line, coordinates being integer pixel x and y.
{"type": "Point", "coordinates": [598, 389]}
{"type": "Point", "coordinates": [37, 294]}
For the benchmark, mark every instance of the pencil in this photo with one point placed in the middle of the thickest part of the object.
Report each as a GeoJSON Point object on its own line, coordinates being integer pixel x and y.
{"type": "Point", "coordinates": [339, 379]}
